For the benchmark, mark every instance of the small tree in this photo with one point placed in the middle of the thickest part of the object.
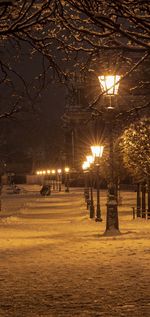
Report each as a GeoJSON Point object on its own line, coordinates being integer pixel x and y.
{"type": "Point", "coordinates": [135, 144]}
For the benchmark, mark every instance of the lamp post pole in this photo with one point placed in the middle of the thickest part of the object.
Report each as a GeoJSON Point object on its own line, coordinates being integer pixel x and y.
{"type": "Point", "coordinates": [112, 223]}
{"type": "Point", "coordinates": [53, 179]}
{"type": "Point", "coordinates": [85, 167]}
{"type": "Point", "coordinates": [90, 201]}
{"type": "Point", "coordinates": [67, 179]}
{"type": "Point", "coordinates": [59, 179]}
{"type": "Point", "coordinates": [98, 209]}
{"type": "Point", "coordinates": [97, 151]}
{"type": "Point", "coordinates": [86, 191]}
{"type": "Point", "coordinates": [92, 209]}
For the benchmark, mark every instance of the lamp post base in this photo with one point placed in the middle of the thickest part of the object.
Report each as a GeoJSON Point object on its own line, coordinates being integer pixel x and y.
{"type": "Point", "coordinates": [98, 219]}
{"type": "Point", "coordinates": [98, 214]}
{"type": "Point", "coordinates": [112, 223]}
{"type": "Point", "coordinates": [92, 211]}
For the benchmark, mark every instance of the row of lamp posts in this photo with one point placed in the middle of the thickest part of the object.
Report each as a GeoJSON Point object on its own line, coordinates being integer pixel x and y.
{"type": "Point", "coordinates": [54, 178]}
{"type": "Point", "coordinates": [109, 86]}
{"type": "Point", "coordinates": [91, 166]}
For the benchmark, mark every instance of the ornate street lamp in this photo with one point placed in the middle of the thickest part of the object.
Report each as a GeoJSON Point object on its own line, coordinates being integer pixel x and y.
{"type": "Point", "coordinates": [67, 169]}
{"type": "Point", "coordinates": [97, 151]}
{"type": "Point", "coordinates": [109, 85]}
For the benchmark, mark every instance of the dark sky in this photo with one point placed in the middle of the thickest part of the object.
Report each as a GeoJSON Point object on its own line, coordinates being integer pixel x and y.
{"type": "Point", "coordinates": [31, 129]}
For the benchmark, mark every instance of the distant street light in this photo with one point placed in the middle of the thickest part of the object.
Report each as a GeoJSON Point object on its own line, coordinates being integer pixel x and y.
{"type": "Point", "coordinates": [97, 151]}
{"type": "Point", "coordinates": [90, 159]}
{"type": "Point", "coordinates": [59, 171]}
{"type": "Point", "coordinates": [53, 178]}
{"type": "Point", "coordinates": [90, 201]}
{"type": "Point", "coordinates": [110, 85]}
{"type": "Point", "coordinates": [67, 170]}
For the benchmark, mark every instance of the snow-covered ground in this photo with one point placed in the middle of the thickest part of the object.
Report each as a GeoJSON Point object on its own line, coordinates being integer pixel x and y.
{"type": "Point", "coordinates": [55, 261]}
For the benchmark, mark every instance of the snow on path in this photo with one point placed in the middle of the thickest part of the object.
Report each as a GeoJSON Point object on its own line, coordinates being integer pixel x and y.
{"type": "Point", "coordinates": [55, 261]}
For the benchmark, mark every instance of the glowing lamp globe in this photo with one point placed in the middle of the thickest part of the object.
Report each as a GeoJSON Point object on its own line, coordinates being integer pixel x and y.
{"type": "Point", "coordinates": [109, 84]}
{"type": "Point", "coordinates": [85, 165]}
{"type": "Point", "coordinates": [90, 159]}
{"type": "Point", "coordinates": [97, 150]}
{"type": "Point", "coordinates": [67, 169]}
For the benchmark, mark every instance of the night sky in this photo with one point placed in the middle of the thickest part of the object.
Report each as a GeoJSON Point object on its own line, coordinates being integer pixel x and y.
{"type": "Point", "coordinates": [37, 126]}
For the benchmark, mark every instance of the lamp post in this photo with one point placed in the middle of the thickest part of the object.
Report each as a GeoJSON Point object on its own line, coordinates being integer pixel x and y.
{"type": "Point", "coordinates": [109, 85]}
{"type": "Point", "coordinates": [85, 167]}
{"type": "Point", "coordinates": [97, 151]}
{"type": "Point", "coordinates": [53, 178]}
{"type": "Point", "coordinates": [48, 172]}
{"type": "Point", "coordinates": [92, 209]}
{"type": "Point", "coordinates": [90, 160]}
{"type": "Point", "coordinates": [59, 179]}
{"type": "Point", "coordinates": [67, 169]}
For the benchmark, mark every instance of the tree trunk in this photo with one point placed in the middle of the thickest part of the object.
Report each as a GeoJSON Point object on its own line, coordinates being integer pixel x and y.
{"type": "Point", "coordinates": [143, 190]}
{"type": "Point", "coordinates": [138, 201]}
{"type": "Point", "coordinates": [148, 203]}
